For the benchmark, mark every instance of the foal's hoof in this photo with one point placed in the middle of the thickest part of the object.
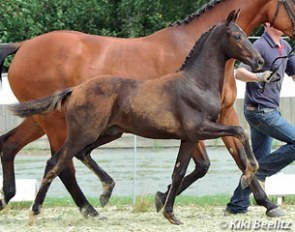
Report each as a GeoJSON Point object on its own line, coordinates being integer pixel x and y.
{"type": "Point", "coordinates": [277, 212]}
{"type": "Point", "coordinates": [160, 199]}
{"type": "Point", "coordinates": [107, 192]}
{"type": "Point", "coordinates": [88, 211]}
{"type": "Point", "coordinates": [32, 218]}
{"type": "Point", "coordinates": [172, 219]}
{"type": "Point", "coordinates": [245, 181]}
{"type": "Point", "coordinates": [34, 211]}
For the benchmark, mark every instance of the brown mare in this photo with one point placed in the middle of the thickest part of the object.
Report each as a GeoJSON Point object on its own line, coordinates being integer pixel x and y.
{"type": "Point", "coordinates": [62, 59]}
{"type": "Point", "coordinates": [183, 105]}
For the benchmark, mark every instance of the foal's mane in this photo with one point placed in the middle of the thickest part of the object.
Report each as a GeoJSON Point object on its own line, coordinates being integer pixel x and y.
{"type": "Point", "coordinates": [198, 43]}
{"type": "Point", "coordinates": [198, 13]}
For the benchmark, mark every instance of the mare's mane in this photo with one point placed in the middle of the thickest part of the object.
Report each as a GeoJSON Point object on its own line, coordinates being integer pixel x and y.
{"type": "Point", "coordinates": [198, 13]}
{"type": "Point", "coordinates": [196, 47]}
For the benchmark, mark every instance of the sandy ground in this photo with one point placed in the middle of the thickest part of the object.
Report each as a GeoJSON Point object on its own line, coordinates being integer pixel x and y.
{"type": "Point", "coordinates": [194, 218]}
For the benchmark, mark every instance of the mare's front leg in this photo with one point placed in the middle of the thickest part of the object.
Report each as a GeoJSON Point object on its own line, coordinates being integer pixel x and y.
{"type": "Point", "coordinates": [202, 164]}
{"type": "Point", "coordinates": [184, 155]}
{"type": "Point", "coordinates": [10, 144]}
{"type": "Point", "coordinates": [236, 149]}
{"type": "Point", "coordinates": [107, 181]}
{"type": "Point", "coordinates": [239, 150]}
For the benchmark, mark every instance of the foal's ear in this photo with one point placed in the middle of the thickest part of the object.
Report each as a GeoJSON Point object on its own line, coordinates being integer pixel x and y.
{"type": "Point", "coordinates": [232, 17]}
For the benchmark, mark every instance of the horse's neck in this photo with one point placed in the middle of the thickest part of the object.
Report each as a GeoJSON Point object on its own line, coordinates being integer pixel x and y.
{"type": "Point", "coordinates": [206, 71]}
{"type": "Point", "coordinates": [248, 19]}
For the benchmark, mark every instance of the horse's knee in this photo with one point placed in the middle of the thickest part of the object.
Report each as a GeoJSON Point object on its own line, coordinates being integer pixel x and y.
{"type": "Point", "coordinates": [9, 192]}
{"type": "Point", "coordinates": [203, 168]}
{"type": "Point", "coordinates": [179, 173]}
{"type": "Point", "coordinates": [68, 172]}
{"type": "Point", "coordinates": [240, 133]}
{"type": "Point", "coordinates": [7, 150]}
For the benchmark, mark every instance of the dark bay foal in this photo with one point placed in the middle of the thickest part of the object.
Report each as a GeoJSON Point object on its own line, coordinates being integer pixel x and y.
{"type": "Point", "coordinates": [183, 105]}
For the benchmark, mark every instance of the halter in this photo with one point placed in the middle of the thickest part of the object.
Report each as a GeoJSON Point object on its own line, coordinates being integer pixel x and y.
{"type": "Point", "coordinates": [289, 11]}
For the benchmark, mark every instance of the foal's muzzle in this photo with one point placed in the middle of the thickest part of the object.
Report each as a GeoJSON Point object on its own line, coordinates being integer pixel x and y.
{"type": "Point", "coordinates": [257, 63]}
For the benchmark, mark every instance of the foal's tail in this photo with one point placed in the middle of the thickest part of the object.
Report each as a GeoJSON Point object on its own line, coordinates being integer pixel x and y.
{"type": "Point", "coordinates": [6, 50]}
{"type": "Point", "coordinates": [41, 105]}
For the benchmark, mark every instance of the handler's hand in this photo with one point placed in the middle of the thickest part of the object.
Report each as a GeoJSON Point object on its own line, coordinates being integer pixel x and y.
{"type": "Point", "coordinates": [264, 76]}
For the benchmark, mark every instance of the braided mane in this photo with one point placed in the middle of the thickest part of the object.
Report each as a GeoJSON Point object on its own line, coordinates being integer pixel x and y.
{"type": "Point", "coordinates": [200, 41]}
{"type": "Point", "coordinates": [199, 12]}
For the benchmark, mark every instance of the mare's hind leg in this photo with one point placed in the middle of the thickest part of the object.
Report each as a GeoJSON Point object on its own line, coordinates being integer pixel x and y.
{"type": "Point", "coordinates": [202, 164]}
{"type": "Point", "coordinates": [11, 143]}
{"type": "Point", "coordinates": [107, 181]}
{"type": "Point", "coordinates": [184, 155]}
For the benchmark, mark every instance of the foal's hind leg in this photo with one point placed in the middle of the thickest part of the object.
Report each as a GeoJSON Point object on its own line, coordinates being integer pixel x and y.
{"type": "Point", "coordinates": [53, 168]}
{"type": "Point", "coordinates": [184, 155]}
{"type": "Point", "coordinates": [11, 143]}
{"type": "Point", "coordinates": [107, 181]}
{"type": "Point", "coordinates": [202, 164]}
{"type": "Point", "coordinates": [67, 175]}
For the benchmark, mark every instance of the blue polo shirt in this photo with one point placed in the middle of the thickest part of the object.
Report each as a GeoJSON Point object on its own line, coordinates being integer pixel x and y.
{"type": "Point", "coordinates": [270, 98]}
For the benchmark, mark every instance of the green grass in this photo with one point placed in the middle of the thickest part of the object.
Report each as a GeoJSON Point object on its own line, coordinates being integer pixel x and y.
{"type": "Point", "coordinates": [144, 202]}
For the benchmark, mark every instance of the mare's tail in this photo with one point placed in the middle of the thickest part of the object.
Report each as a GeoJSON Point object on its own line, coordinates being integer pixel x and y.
{"type": "Point", "coordinates": [6, 50]}
{"type": "Point", "coordinates": [41, 105]}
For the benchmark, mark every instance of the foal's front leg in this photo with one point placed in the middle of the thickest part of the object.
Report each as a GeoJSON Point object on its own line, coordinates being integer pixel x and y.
{"type": "Point", "coordinates": [214, 130]}
{"type": "Point", "coordinates": [202, 164]}
{"type": "Point", "coordinates": [181, 164]}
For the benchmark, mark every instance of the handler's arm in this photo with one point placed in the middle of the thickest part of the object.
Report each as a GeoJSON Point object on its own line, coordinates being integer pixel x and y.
{"type": "Point", "coordinates": [245, 75]}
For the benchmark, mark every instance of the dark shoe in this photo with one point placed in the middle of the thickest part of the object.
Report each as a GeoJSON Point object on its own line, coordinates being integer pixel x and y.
{"type": "Point", "coordinates": [228, 211]}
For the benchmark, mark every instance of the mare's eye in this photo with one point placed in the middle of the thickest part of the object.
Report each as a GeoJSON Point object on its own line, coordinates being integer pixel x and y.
{"type": "Point", "coordinates": [237, 36]}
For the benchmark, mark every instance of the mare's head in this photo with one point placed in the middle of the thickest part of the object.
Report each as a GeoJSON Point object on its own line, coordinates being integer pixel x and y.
{"type": "Point", "coordinates": [236, 44]}
{"type": "Point", "coordinates": [280, 14]}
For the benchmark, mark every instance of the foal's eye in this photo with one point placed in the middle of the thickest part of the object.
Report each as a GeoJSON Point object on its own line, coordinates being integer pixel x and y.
{"type": "Point", "coordinates": [237, 37]}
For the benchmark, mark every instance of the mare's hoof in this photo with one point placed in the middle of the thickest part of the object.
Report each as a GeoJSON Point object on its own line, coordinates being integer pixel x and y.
{"type": "Point", "coordinates": [2, 204]}
{"type": "Point", "coordinates": [172, 219]}
{"type": "Point", "coordinates": [277, 212]}
{"type": "Point", "coordinates": [245, 181]}
{"type": "Point", "coordinates": [88, 211]}
{"type": "Point", "coordinates": [107, 192]}
{"type": "Point", "coordinates": [2, 201]}
{"type": "Point", "coordinates": [160, 199]}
